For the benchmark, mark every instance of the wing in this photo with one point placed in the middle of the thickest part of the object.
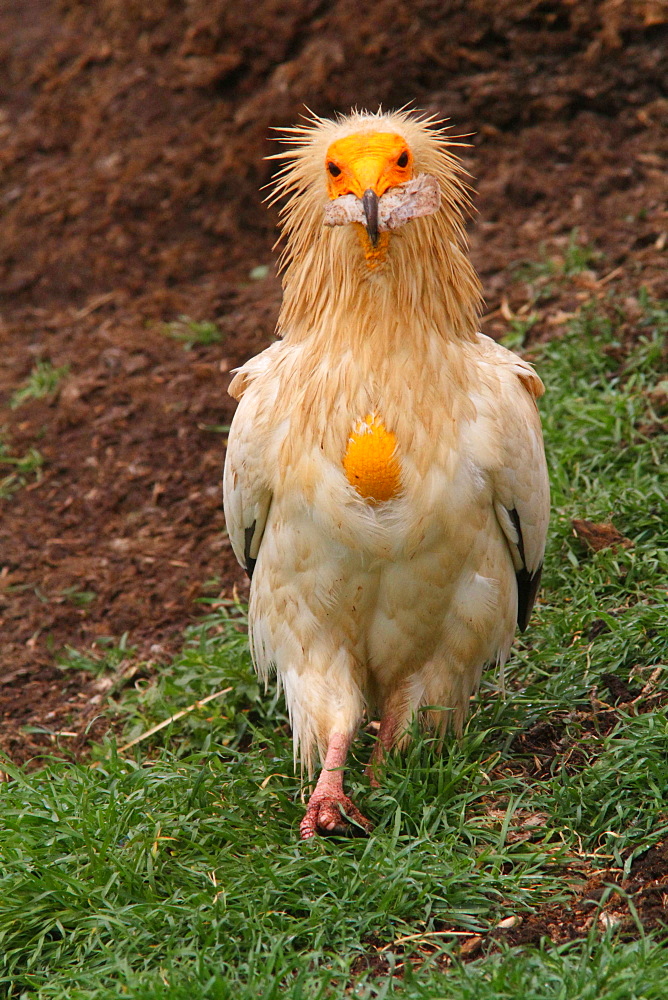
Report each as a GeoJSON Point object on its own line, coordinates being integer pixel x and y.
{"type": "Point", "coordinates": [246, 493]}
{"type": "Point", "coordinates": [521, 487]}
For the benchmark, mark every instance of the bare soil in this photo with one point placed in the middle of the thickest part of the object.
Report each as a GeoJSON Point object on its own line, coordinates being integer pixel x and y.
{"type": "Point", "coordinates": [603, 901]}
{"type": "Point", "coordinates": [132, 145]}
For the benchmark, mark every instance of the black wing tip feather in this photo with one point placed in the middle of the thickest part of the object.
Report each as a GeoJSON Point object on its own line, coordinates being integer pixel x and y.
{"type": "Point", "coordinates": [527, 583]}
{"type": "Point", "coordinates": [248, 541]}
{"type": "Point", "coordinates": [527, 588]}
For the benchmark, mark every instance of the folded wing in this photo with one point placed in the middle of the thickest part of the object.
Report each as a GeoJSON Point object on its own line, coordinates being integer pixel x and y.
{"type": "Point", "coordinates": [521, 488]}
{"type": "Point", "coordinates": [246, 493]}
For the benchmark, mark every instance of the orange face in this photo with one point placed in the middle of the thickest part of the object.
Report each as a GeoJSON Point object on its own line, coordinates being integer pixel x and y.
{"type": "Point", "coordinates": [367, 161]}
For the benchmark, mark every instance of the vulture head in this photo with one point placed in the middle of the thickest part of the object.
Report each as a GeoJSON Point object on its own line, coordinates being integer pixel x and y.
{"type": "Point", "coordinates": [375, 201]}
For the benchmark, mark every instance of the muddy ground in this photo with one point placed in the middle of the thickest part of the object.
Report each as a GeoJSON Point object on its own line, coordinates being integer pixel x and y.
{"type": "Point", "coordinates": [132, 145]}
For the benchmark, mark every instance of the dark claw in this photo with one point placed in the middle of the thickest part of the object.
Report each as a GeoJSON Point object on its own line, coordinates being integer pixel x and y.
{"type": "Point", "coordinates": [329, 816]}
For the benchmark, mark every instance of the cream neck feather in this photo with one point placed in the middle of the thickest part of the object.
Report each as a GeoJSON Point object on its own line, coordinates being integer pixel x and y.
{"type": "Point", "coordinates": [425, 288]}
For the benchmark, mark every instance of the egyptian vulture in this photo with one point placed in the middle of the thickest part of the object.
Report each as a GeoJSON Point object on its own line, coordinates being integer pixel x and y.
{"type": "Point", "coordinates": [385, 484]}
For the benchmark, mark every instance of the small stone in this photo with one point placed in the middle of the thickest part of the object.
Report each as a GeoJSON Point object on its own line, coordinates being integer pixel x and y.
{"type": "Point", "coordinates": [608, 920]}
{"type": "Point", "coordinates": [471, 946]}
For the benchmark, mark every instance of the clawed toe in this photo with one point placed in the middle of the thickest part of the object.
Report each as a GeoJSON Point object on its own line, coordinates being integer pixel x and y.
{"type": "Point", "coordinates": [333, 815]}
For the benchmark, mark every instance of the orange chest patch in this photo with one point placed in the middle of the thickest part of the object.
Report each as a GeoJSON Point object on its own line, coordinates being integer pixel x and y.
{"type": "Point", "coordinates": [370, 461]}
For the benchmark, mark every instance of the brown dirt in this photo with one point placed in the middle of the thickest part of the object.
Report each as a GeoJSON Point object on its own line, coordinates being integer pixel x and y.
{"type": "Point", "coordinates": [604, 901]}
{"type": "Point", "coordinates": [132, 138]}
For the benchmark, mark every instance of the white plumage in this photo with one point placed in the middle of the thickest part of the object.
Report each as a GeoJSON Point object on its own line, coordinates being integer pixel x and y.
{"type": "Point", "coordinates": [385, 481]}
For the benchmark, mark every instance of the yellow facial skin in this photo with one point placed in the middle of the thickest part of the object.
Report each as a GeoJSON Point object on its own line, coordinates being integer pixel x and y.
{"type": "Point", "coordinates": [365, 161]}
{"type": "Point", "coordinates": [376, 160]}
{"type": "Point", "coordinates": [370, 462]}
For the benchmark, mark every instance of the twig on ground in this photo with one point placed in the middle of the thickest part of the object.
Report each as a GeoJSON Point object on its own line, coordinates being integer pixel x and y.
{"type": "Point", "coordinates": [173, 718]}
{"type": "Point", "coordinates": [428, 934]}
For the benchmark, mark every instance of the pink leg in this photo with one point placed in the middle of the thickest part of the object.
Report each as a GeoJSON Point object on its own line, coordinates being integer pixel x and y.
{"type": "Point", "coordinates": [385, 740]}
{"type": "Point", "coordinates": [329, 808]}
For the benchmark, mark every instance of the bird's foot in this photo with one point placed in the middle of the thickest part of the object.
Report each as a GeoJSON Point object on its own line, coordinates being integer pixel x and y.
{"type": "Point", "coordinates": [332, 813]}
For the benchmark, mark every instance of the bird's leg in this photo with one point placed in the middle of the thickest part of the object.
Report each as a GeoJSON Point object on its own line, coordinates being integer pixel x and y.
{"type": "Point", "coordinates": [329, 808]}
{"type": "Point", "coordinates": [385, 740]}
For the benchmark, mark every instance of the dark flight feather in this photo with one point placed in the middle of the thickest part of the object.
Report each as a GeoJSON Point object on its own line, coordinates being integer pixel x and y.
{"type": "Point", "coordinates": [527, 583]}
{"type": "Point", "coordinates": [248, 541]}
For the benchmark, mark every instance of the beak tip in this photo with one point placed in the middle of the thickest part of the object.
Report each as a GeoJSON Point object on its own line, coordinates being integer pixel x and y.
{"type": "Point", "coordinates": [370, 205]}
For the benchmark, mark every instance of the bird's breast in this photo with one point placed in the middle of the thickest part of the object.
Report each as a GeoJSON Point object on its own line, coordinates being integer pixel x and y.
{"type": "Point", "coordinates": [370, 460]}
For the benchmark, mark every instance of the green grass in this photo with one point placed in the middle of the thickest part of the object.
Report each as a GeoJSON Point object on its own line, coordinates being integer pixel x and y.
{"type": "Point", "coordinates": [174, 871]}
{"type": "Point", "coordinates": [24, 468]}
{"type": "Point", "coordinates": [79, 598]}
{"type": "Point", "coordinates": [190, 332]}
{"type": "Point", "coordinates": [106, 657]}
{"type": "Point", "coordinates": [42, 381]}
{"type": "Point", "coordinates": [544, 277]}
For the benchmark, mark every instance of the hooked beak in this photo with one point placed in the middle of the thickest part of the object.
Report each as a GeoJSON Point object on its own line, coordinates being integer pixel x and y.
{"type": "Point", "coordinates": [370, 206]}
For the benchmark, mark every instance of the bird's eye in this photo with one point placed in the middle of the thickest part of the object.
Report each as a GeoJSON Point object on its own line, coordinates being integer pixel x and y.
{"type": "Point", "coordinates": [333, 169]}
{"type": "Point", "coordinates": [403, 159]}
